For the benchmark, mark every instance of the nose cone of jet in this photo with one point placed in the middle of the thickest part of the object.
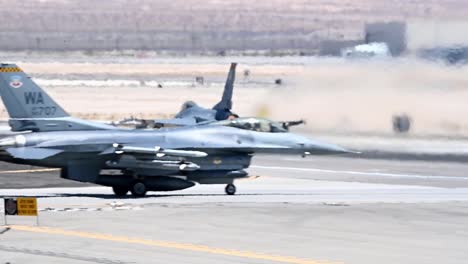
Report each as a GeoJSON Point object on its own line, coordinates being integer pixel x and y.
{"type": "Point", "coordinates": [312, 147]}
{"type": "Point", "coordinates": [319, 148]}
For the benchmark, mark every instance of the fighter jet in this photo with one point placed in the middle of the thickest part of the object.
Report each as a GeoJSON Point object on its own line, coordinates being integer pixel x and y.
{"type": "Point", "coordinates": [136, 160]}
{"type": "Point", "coordinates": [192, 114]}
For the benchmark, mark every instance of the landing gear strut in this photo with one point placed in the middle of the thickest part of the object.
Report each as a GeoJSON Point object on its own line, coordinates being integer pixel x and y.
{"type": "Point", "coordinates": [230, 189]}
{"type": "Point", "coordinates": [120, 190]}
{"type": "Point", "coordinates": [138, 189]}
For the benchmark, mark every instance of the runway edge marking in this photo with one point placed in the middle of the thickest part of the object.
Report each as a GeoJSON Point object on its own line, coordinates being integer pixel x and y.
{"type": "Point", "coordinates": [172, 245]}
{"type": "Point", "coordinates": [383, 174]}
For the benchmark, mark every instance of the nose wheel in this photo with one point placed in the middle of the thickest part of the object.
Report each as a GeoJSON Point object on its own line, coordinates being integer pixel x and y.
{"type": "Point", "coordinates": [230, 189]}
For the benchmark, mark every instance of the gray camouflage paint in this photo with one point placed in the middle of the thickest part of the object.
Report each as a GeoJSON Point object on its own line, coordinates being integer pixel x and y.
{"type": "Point", "coordinates": [86, 151]}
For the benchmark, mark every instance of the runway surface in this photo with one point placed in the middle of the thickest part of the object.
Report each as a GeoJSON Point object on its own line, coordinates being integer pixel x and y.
{"type": "Point", "coordinates": [438, 174]}
{"type": "Point", "coordinates": [292, 210]}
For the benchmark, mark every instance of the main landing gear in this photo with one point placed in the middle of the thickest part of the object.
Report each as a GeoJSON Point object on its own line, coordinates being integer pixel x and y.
{"type": "Point", "coordinates": [120, 190]}
{"type": "Point", "coordinates": [230, 189]}
{"type": "Point", "coordinates": [138, 189]}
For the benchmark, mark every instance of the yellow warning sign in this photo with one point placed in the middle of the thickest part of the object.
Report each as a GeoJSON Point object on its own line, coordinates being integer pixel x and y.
{"type": "Point", "coordinates": [27, 206]}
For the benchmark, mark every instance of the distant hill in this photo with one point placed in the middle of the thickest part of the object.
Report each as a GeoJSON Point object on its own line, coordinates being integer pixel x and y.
{"type": "Point", "coordinates": [191, 25]}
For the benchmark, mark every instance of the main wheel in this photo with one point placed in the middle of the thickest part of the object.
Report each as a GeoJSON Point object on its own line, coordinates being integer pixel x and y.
{"type": "Point", "coordinates": [138, 189]}
{"type": "Point", "coordinates": [120, 190]}
{"type": "Point", "coordinates": [230, 189]}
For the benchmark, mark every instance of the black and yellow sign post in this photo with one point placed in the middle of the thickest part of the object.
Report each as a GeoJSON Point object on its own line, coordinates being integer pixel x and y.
{"type": "Point", "coordinates": [21, 206]}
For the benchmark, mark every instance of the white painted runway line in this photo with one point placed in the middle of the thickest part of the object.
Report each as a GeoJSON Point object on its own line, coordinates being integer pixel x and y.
{"type": "Point", "coordinates": [267, 190]}
{"type": "Point", "coordinates": [363, 173]}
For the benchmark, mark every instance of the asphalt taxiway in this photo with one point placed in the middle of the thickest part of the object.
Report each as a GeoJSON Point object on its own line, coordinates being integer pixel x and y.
{"type": "Point", "coordinates": [292, 210]}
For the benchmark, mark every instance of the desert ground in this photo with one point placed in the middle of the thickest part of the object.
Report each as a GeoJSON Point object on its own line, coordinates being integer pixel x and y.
{"type": "Point", "coordinates": [332, 95]}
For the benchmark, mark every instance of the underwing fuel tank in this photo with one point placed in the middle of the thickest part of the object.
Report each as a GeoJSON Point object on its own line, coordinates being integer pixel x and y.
{"type": "Point", "coordinates": [153, 183]}
{"type": "Point", "coordinates": [167, 183]}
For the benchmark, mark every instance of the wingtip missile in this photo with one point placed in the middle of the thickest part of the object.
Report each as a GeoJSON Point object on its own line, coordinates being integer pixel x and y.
{"type": "Point", "coordinates": [184, 153]}
{"type": "Point", "coordinates": [158, 151]}
{"type": "Point", "coordinates": [188, 166]}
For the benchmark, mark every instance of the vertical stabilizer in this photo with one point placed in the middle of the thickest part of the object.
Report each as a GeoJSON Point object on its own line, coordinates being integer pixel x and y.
{"type": "Point", "coordinates": [226, 100]}
{"type": "Point", "coordinates": [23, 98]}
{"type": "Point", "coordinates": [32, 109]}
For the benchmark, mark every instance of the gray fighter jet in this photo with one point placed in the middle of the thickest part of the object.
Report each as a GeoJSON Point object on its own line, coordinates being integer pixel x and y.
{"type": "Point", "coordinates": [136, 160]}
{"type": "Point", "coordinates": [192, 114]}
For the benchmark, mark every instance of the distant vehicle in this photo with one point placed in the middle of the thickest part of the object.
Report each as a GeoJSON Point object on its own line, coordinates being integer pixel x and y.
{"type": "Point", "coordinates": [450, 55]}
{"type": "Point", "coordinates": [370, 50]}
{"type": "Point", "coordinates": [137, 160]}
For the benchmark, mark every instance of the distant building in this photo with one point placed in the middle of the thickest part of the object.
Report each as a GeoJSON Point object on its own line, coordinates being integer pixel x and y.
{"type": "Point", "coordinates": [427, 34]}
{"type": "Point", "coordinates": [391, 33]}
{"type": "Point", "coordinates": [387, 38]}
{"type": "Point", "coordinates": [437, 40]}
{"type": "Point", "coordinates": [334, 47]}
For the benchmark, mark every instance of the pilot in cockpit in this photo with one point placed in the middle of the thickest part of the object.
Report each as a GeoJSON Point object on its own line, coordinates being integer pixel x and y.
{"type": "Point", "coordinates": [253, 124]}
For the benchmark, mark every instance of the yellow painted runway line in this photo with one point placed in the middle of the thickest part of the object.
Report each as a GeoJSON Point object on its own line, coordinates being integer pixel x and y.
{"type": "Point", "coordinates": [26, 171]}
{"type": "Point", "coordinates": [171, 245]}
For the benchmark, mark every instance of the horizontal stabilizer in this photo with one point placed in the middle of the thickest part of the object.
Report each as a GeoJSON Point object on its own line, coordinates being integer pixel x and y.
{"type": "Point", "coordinates": [56, 124]}
{"type": "Point", "coordinates": [33, 153]}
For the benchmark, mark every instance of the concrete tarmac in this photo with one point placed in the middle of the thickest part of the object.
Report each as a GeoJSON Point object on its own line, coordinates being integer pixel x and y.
{"type": "Point", "coordinates": [313, 210]}
{"type": "Point", "coordinates": [332, 168]}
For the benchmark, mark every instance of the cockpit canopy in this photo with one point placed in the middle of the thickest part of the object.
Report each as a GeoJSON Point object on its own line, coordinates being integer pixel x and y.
{"type": "Point", "coordinates": [187, 105]}
{"type": "Point", "coordinates": [253, 124]}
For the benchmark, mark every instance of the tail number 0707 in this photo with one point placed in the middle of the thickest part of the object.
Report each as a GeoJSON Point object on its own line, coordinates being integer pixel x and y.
{"type": "Point", "coordinates": [43, 110]}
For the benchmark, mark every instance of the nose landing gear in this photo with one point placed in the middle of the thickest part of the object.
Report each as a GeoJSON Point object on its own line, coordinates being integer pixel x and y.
{"type": "Point", "coordinates": [138, 189]}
